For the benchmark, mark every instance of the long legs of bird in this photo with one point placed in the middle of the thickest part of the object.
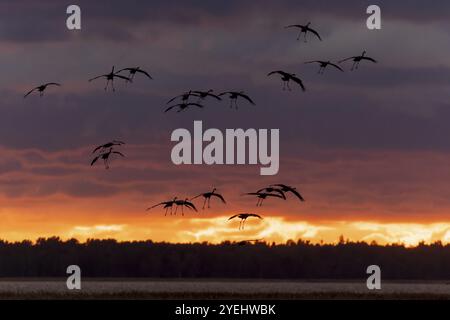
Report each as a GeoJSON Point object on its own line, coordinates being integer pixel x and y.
{"type": "Point", "coordinates": [259, 202]}
{"type": "Point", "coordinates": [242, 224]}
{"type": "Point", "coordinates": [106, 163]}
{"type": "Point", "coordinates": [355, 66]}
{"type": "Point", "coordinates": [182, 211]}
{"type": "Point", "coordinates": [321, 70]}
{"type": "Point", "coordinates": [233, 103]}
{"type": "Point", "coordinates": [304, 36]}
{"type": "Point", "coordinates": [207, 200]}
{"type": "Point", "coordinates": [286, 85]}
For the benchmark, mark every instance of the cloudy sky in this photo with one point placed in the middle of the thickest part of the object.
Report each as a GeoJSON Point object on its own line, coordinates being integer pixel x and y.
{"type": "Point", "coordinates": [368, 149]}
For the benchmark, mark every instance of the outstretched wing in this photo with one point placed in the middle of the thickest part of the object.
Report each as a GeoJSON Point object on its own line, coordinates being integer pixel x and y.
{"type": "Point", "coordinates": [119, 153]}
{"type": "Point", "coordinates": [224, 93]}
{"type": "Point", "coordinates": [275, 72]}
{"type": "Point", "coordinates": [99, 147]}
{"type": "Point", "coordinates": [195, 104]}
{"type": "Point", "coordinates": [351, 58]}
{"type": "Point", "coordinates": [171, 107]}
{"type": "Point", "coordinates": [190, 205]}
{"type": "Point", "coordinates": [369, 59]}
{"type": "Point", "coordinates": [315, 32]}
{"type": "Point", "coordinates": [214, 96]}
{"type": "Point", "coordinates": [124, 69]}
{"type": "Point", "coordinates": [293, 26]}
{"type": "Point", "coordinates": [236, 215]}
{"type": "Point", "coordinates": [254, 215]}
{"type": "Point", "coordinates": [122, 77]}
{"type": "Point", "coordinates": [297, 194]}
{"type": "Point", "coordinates": [246, 97]}
{"type": "Point", "coordinates": [274, 195]}
{"type": "Point", "coordinates": [144, 72]}
{"type": "Point", "coordinates": [52, 84]}
{"type": "Point", "coordinates": [201, 194]}
{"type": "Point", "coordinates": [219, 196]}
{"type": "Point", "coordinates": [336, 66]}
{"type": "Point", "coordinates": [95, 160]}
{"type": "Point", "coordinates": [159, 204]}
{"type": "Point", "coordinates": [297, 80]}
{"type": "Point", "coordinates": [173, 99]}
{"type": "Point", "coordinates": [103, 75]}
{"type": "Point", "coordinates": [29, 92]}
{"type": "Point", "coordinates": [315, 61]}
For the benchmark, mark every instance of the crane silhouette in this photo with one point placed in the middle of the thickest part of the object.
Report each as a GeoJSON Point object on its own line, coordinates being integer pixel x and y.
{"type": "Point", "coordinates": [110, 77]}
{"type": "Point", "coordinates": [204, 94]}
{"type": "Point", "coordinates": [304, 29]}
{"type": "Point", "coordinates": [166, 205]}
{"type": "Point", "coordinates": [234, 95]}
{"type": "Point", "coordinates": [183, 106]}
{"type": "Point", "coordinates": [357, 59]}
{"type": "Point", "coordinates": [286, 188]}
{"type": "Point", "coordinates": [207, 197]}
{"type": "Point", "coordinates": [244, 217]}
{"type": "Point", "coordinates": [272, 190]}
{"type": "Point", "coordinates": [324, 64]}
{"type": "Point", "coordinates": [184, 96]}
{"type": "Point", "coordinates": [105, 157]}
{"type": "Point", "coordinates": [42, 88]}
{"type": "Point", "coordinates": [109, 145]}
{"type": "Point", "coordinates": [184, 203]}
{"type": "Point", "coordinates": [286, 77]}
{"type": "Point", "coordinates": [132, 72]}
{"type": "Point", "coordinates": [263, 195]}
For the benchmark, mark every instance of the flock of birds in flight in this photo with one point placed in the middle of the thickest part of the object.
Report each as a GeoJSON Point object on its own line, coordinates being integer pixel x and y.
{"type": "Point", "coordinates": [105, 151]}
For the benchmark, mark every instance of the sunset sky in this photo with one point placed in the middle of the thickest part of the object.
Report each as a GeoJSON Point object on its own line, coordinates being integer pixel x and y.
{"type": "Point", "coordinates": [369, 150]}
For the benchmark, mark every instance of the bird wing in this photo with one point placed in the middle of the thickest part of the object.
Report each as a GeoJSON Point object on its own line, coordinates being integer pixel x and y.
{"type": "Point", "coordinates": [122, 77]}
{"type": "Point", "coordinates": [280, 192]}
{"type": "Point", "coordinates": [190, 205]}
{"type": "Point", "coordinates": [246, 97]}
{"type": "Point", "coordinates": [29, 92]}
{"type": "Point", "coordinates": [95, 159]}
{"type": "Point", "coordinates": [219, 196]}
{"type": "Point", "coordinates": [254, 215]}
{"type": "Point", "coordinates": [336, 66]}
{"type": "Point", "coordinates": [103, 75]}
{"type": "Point", "coordinates": [119, 153]}
{"type": "Point", "coordinates": [171, 107]}
{"type": "Point", "coordinates": [52, 84]}
{"type": "Point", "coordinates": [276, 71]}
{"type": "Point", "coordinates": [351, 58]}
{"type": "Point", "coordinates": [236, 215]}
{"type": "Point", "coordinates": [315, 32]}
{"type": "Point", "coordinates": [201, 194]}
{"type": "Point", "coordinates": [293, 26]}
{"type": "Point", "coordinates": [273, 195]}
{"type": "Point", "coordinates": [159, 204]}
{"type": "Point", "coordinates": [370, 59]}
{"type": "Point", "coordinates": [224, 93]}
{"type": "Point", "coordinates": [315, 61]}
{"type": "Point", "coordinates": [253, 193]}
{"type": "Point", "coordinates": [99, 147]}
{"type": "Point", "coordinates": [144, 72]}
{"type": "Point", "coordinates": [297, 80]}
{"type": "Point", "coordinates": [297, 194]}
{"type": "Point", "coordinates": [173, 98]}
{"type": "Point", "coordinates": [214, 96]}
{"type": "Point", "coordinates": [124, 69]}
{"type": "Point", "coordinates": [195, 104]}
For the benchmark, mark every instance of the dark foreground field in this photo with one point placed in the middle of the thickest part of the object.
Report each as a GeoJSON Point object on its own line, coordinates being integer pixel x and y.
{"type": "Point", "coordinates": [219, 289]}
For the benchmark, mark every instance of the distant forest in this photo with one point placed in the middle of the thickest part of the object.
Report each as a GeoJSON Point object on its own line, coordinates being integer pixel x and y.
{"type": "Point", "coordinates": [293, 260]}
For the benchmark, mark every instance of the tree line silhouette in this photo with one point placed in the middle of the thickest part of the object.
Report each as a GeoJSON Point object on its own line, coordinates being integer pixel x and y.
{"type": "Point", "coordinates": [49, 257]}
